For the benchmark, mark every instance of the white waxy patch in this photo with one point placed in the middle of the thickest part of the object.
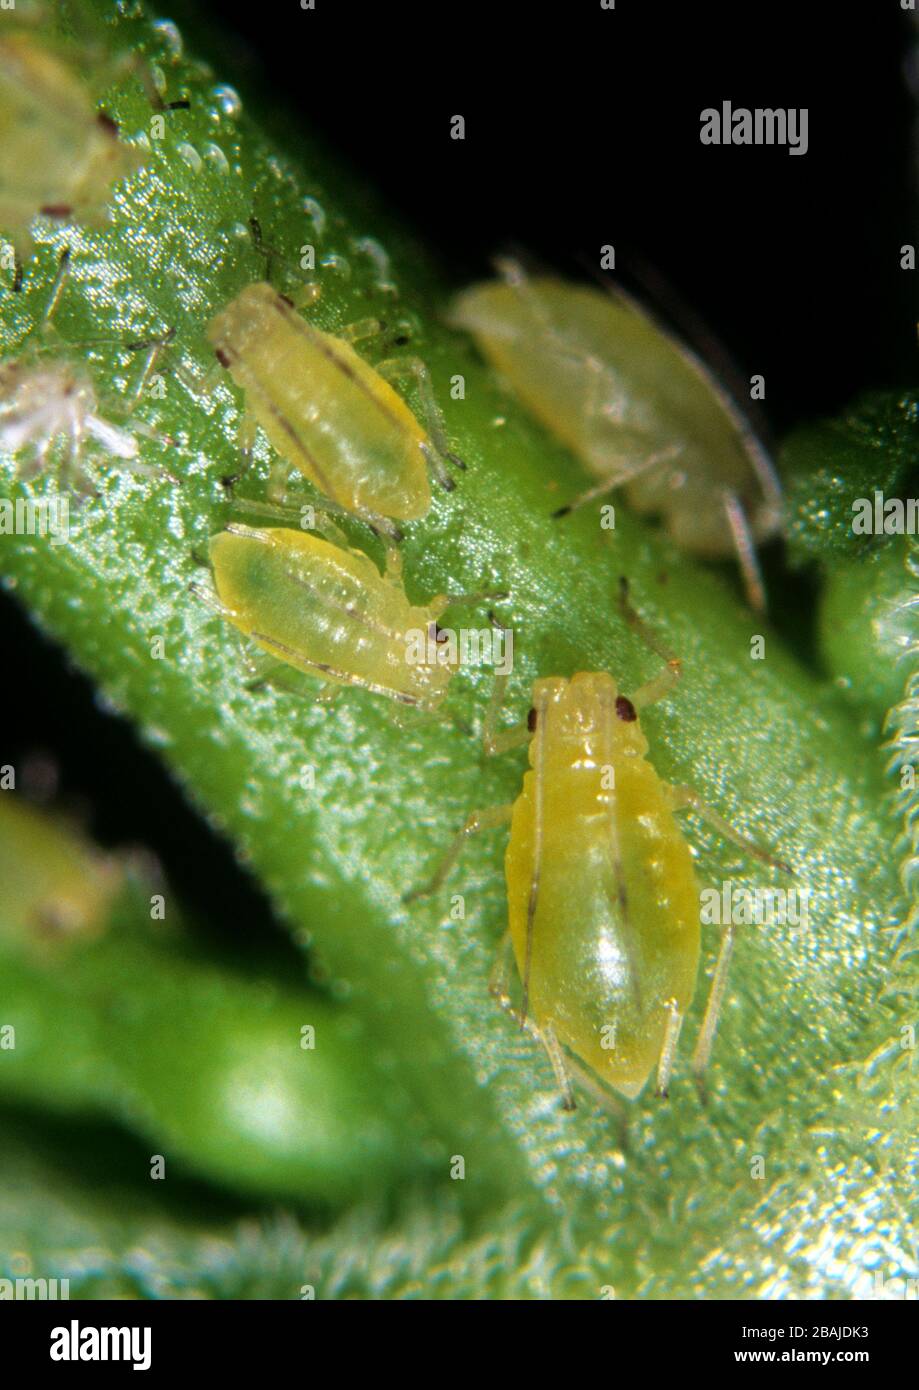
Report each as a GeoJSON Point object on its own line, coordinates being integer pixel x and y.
{"type": "Point", "coordinates": [44, 402]}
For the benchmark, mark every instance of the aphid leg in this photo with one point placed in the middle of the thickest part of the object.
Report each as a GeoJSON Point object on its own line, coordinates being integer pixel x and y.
{"type": "Point", "coordinates": [746, 552]}
{"type": "Point", "coordinates": [147, 432]}
{"type": "Point", "coordinates": [268, 671]}
{"type": "Point", "coordinates": [71, 471]}
{"type": "Point", "coordinates": [401, 368]}
{"type": "Point", "coordinates": [501, 741]}
{"type": "Point", "coordinates": [57, 289]}
{"type": "Point", "coordinates": [246, 432]}
{"type": "Point", "coordinates": [489, 819]}
{"type": "Point", "coordinates": [200, 386]}
{"type": "Point", "coordinates": [687, 799]}
{"type": "Point", "coordinates": [663, 684]}
{"type": "Point", "coordinates": [499, 990]}
{"type": "Point", "coordinates": [657, 689]}
{"type": "Point", "coordinates": [668, 1048]}
{"type": "Point", "coordinates": [617, 478]}
{"type": "Point", "coordinates": [304, 296]}
{"type": "Point", "coordinates": [153, 348]}
{"type": "Point", "coordinates": [602, 1094]}
{"type": "Point", "coordinates": [326, 508]}
{"type": "Point", "coordinates": [703, 1051]}
{"type": "Point", "coordinates": [300, 297]}
{"type": "Point", "coordinates": [497, 740]}
{"type": "Point", "coordinates": [360, 331]}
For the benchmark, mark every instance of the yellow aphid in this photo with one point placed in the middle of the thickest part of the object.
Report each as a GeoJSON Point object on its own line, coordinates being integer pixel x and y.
{"type": "Point", "coordinates": [58, 155]}
{"type": "Point", "coordinates": [603, 902]}
{"type": "Point", "coordinates": [57, 888]}
{"type": "Point", "coordinates": [327, 611]}
{"type": "Point", "coordinates": [635, 405]}
{"type": "Point", "coordinates": [326, 411]}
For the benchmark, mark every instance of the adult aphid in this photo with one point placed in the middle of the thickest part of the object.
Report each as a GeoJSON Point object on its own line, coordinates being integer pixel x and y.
{"type": "Point", "coordinates": [603, 902]}
{"type": "Point", "coordinates": [637, 407]}
{"type": "Point", "coordinates": [59, 156]}
{"type": "Point", "coordinates": [325, 610]}
{"type": "Point", "coordinates": [326, 411]}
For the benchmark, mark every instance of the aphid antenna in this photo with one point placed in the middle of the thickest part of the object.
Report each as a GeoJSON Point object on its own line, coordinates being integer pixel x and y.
{"type": "Point", "coordinates": [270, 252]}
{"type": "Point", "coordinates": [644, 631]}
{"type": "Point", "coordinates": [615, 480]}
{"type": "Point", "coordinates": [480, 596]}
{"type": "Point", "coordinates": [261, 246]}
{"type": "Point", "coordinates": [62, 274]}
{"type": "Point", "coordinates": [539, 734]}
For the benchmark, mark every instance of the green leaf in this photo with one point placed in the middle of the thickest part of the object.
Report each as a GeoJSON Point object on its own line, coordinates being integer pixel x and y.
{"type": "Point", "coordinates": [110, 1009]}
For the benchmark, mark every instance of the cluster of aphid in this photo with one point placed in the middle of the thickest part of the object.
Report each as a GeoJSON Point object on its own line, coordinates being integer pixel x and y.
{"type": "Point", "coordinates": [603, 901]}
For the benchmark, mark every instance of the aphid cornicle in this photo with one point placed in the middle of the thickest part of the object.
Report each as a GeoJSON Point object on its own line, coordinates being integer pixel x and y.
{"type": "Point", "coordinates": [603, 902]}
{"type": "Point", "coordinates": [326, 610]}
{"type": "Point", "coordinates": [327, 412]}
{"type": "Point", "coordinates": [636, 406]}
{"type": "Point", "coordinates": [58, 155]}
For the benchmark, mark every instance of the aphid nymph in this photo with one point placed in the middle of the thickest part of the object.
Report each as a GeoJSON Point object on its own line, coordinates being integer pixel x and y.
{"type": "Point", "coordinates": [603, 902]}
{"type": "Point", "coordinates": [326, 411]}
{"type": "Point", "coordinates": [637, 407]}
{"type": "Point", "coordinates": [326, 611]}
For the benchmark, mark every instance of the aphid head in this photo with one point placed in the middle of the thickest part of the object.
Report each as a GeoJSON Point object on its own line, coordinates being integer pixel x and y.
{"type": "Point", "coordinates": [585, 710]}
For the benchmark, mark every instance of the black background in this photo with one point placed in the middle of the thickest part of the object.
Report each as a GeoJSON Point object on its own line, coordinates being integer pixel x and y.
{"type": "Point", "coordinates": [582, 128]}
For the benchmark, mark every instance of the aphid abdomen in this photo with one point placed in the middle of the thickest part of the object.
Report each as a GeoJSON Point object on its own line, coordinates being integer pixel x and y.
{"type": "Point", "coordinates": [324, 409]}
{"type": "Point", "coordinates": [325, 611]}
{"type": "Point", "coordinates": [616, 933]}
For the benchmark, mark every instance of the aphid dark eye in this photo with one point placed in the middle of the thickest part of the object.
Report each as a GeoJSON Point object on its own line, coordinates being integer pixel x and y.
{"type": "Point", "coordinates": [531, 720]}
{"type": "Point", "coordinates": [108, 125]}
{"type": "Point", "coordinates": [222, 357]}
{"type": "Point", "coordinates": [625, 709]}
{"type": "Point", "coordinates": [402, 340]}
